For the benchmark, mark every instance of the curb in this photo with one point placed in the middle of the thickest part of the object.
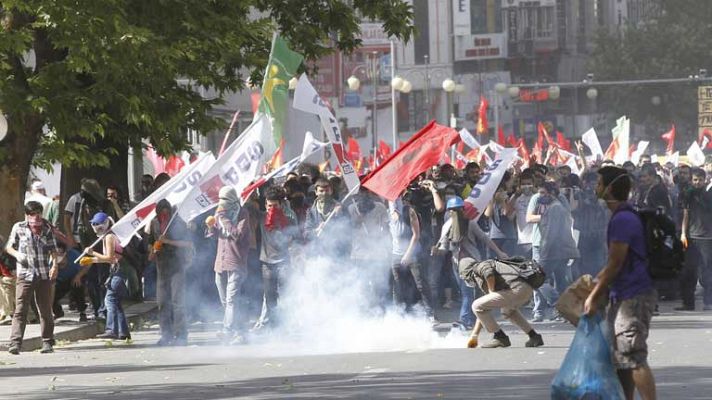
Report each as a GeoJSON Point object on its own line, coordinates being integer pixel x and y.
{"type": "Point", "coordinates": [136, 314]}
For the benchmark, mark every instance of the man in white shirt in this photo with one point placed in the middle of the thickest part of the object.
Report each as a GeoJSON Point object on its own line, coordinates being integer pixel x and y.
{"type": "Point", "coordinates": [38, 194]}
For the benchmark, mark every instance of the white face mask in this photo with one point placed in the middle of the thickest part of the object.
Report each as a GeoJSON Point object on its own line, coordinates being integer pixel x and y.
{"type": "Point", "coordinates": [101, 228]}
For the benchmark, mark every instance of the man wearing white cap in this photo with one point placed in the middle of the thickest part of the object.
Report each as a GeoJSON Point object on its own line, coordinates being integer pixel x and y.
{"type": "Point", "coordinates": [38, 194]}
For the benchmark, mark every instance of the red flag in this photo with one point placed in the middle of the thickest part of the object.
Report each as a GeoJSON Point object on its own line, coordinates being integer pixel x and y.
{"type": "Point", "coordinates": [669, 138]}
{"type": "Point", "coordinates": [174, 165]}
{"type": "Point", "coordinates": [523, 151]}
{"type": "Point", "coordinates": [512, 140]}
{"type": "Point", "coordinates": [482, 125]}
{"type": "Point", "coordinates": [353, 149]}
{"type": "Point", "coordinates": [421, 152]}
{"type": "Point", "coordinates": [384, 150]}
{"type": "Point", "coordinates": [277, 160]}
{"type": "Point", "coordinates": [500, 136]}
{"type": "Point", "coordinates": [543, 135]}
{"type": "Point", "coordinates": [610, 153]}
{"type": "Point", "coordinates": [562, 141]}
{"type": "Point", "coordinates": [706, 133]}
{"type": "Point", "coordinates": [459, 161]}
{"type": "Point", "coordinates": [473, 155]}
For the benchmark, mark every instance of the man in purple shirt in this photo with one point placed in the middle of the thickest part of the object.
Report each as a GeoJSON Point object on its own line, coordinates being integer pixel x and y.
{"type": "Point", "coordinates": [632, 294]}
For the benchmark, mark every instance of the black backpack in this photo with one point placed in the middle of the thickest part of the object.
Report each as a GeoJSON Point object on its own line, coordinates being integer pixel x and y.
{"type": "Point", "coordinates": [666, 255]}
{"type": "Point", "coordinates": [529, 270]}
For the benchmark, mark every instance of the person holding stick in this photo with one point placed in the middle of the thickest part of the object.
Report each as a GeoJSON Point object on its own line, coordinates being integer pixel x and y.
{"type": "Point", "coordinates": [171, 250]}
{"type": "Point", "coordinates": [117, 326]}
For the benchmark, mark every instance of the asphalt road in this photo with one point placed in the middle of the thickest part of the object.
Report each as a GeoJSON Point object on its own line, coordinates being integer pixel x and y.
{"type": "Point", "coordinates": [416, 366]}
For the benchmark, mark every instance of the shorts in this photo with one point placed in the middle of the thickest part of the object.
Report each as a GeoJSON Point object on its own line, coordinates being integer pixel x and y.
{"type": "Point", "coordinates": [629, 323]}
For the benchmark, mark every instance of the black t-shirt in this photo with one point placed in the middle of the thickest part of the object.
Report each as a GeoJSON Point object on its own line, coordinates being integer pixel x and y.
{"type": "Point", "coordinates": [699, 205]}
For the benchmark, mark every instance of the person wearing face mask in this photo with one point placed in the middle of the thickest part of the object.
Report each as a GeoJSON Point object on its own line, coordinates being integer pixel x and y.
{"type": "Point", "coordinates": [325, 222]}
{"type": "Point", "coordinates": [278, 228]}
{"type": "Point", "coordinates": [34, 245]}
{"type": "Point", "coordinates": [464, 238]}
{"type": "Point", "coordinates": [117, 326]}
{"type": "Point", "coordinates": [553, 246]}
{"type": "Point", "coordinates": [172, 251]}
{"type": "Point", "coordinates": [696, 237]}
{"type": "Point", "coordinates": [626, 279]}
{"type": "Point", "coordinates": [590, 219]}
{"type": "Point", "coordinates": [232, 226]}
{"type": "Point", "coordinates": [524, 193]}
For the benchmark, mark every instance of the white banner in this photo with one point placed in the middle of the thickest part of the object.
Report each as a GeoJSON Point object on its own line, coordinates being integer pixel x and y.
{"type": "Point", "coordinates": [695, 155]}
{"type": "Point", "coordinates": [311, 146]}
{"type": "Point", "coordinates": [674, 159]}
{"type": "Point", "coordinates": [469, 140]}
{"type": "Point", "coordinates": [238, 166]}
{"type": "Point", "coordinates": [175, 191]}
{"type": "Point", "coordinates": [621, 133]}
{"type": "Point", "coordinates": [639, 150]}
{"type": "Point", "coordinates": [308, 100]}
{"type": "Point", "coordinates": [590, 139]}
{"type": "Point", "coordinates": [492, 175]}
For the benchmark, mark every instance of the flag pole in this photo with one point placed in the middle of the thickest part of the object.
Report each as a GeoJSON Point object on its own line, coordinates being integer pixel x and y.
{"type": "Point", "coordinates": [84, 252]}
{"type": "Point", "coordinates": [333, 212]}
{"type": "Point", "coordinates": [227, 134]}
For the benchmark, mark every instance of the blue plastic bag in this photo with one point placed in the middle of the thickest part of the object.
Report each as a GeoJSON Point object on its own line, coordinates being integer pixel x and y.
{"type": "Point", "coordinates": [587, 371]}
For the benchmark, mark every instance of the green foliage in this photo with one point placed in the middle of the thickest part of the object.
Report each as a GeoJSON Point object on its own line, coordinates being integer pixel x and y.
{"type": "Point", "coordinates": [113, 72]}
{"type": "Point", "coordinates": [672, 44]}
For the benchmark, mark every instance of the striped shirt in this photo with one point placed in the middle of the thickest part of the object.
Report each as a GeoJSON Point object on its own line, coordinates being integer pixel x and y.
{"type": "Point", "coordinates": [37, 248]}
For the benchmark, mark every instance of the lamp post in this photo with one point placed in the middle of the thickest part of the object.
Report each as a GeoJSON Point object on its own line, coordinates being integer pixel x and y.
{"type": "Point", "coordinates": [372, 73]}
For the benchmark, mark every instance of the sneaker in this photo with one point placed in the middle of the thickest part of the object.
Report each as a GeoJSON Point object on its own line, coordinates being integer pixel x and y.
{"type": "Point", "coordinates": [82, 317]}
{"type": "Point", "coordinates": [180, 342]}
{"type": "Point", "coordinates": [535, 341]}
{"type": "Point", "coordinates": [497, 342]}
{"type": "Point", "coordinates": [14, 349]}
{"type": "Point", "coordinates": [538, 318]}
{"type": "Point", "coordinates": [164, 342]}
{"type": "Point", "coordinates": [107, 335]}
{"type": "Point", "coordinates": [127, 337]}
{"type": "Point", "coordinates": [47, 348]}
{"type": "Point", "coordinates": [238, 340]}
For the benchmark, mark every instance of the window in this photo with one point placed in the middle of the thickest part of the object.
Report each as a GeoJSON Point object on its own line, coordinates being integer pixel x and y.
{"type": "Point", "coordinates": [421, 40]}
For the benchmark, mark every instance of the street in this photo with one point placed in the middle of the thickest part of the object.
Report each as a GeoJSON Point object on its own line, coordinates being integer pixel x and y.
{"type": "Point", "coordinates": [680, 345]}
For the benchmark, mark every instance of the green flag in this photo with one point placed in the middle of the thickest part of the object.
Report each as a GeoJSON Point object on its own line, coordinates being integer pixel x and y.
{"type": "Point", "coordinates": [282, 67]}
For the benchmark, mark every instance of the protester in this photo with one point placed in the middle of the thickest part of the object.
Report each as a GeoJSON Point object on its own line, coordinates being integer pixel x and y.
{"type": "Point", "coordinates": [504, 289]}
{"type": "Point", "coordinates": [117, 326]}
{"type": "Point", "coordinates": [231, 224]}
{"type": "Point", "coordinates": [278, 228]}
{"type": "Point", "coordinates": [696, 236]}
{"type": "Point", "coordinates": [172, 252]}
{"type": "Point", "coordinates": [632, 294]}
{"type": "Point", "coordinates": [50, 210]}
{"type": "Point", "coordinates": [34, 245]}
{"type": "Point", "coordinates": [7, 283]}
{"type": "Point", "coordinates": [326, 238]}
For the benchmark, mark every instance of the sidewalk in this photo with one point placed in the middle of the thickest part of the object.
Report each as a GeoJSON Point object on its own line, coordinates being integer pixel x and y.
{"type": "Point", "coordinates": [68, 328]}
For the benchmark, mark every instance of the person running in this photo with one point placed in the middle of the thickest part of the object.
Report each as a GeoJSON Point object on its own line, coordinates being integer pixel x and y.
{"type": "Point", "coordinates": [632, 294]}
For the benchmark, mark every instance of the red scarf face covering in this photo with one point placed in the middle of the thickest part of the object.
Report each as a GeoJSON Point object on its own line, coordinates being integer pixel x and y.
{"type": "Point", "coordinates": [275, 219]}
{"type": "Point", "coordinates": [35, 223]}
{"type": "Point", "coordinates": [163, 222]}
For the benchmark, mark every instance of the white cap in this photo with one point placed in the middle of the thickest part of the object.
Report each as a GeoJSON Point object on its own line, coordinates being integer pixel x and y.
{"type": "Point", "coordinates": [37, 185]}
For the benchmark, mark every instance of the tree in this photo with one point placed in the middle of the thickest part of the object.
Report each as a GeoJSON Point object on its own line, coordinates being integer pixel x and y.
{"type": "Point", "coordinates": [671, 43]}
{"type": "Point", "coordinates": [81, 80]}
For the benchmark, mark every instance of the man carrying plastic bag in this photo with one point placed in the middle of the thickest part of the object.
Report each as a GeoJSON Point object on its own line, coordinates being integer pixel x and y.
{"type": "Point", "coordinates": [587, 371]}
{"type": "Point", "coordinates": [632, 295]}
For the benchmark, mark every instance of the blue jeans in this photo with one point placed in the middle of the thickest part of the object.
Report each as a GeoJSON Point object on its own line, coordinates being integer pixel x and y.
{"type": "Point", "coordinates": [467, 295]}
{"type": "Point", "coordinates": [150, 277]}
{"type": "Point", "coordinates": [116, 291]}
{"type": "Point", "coordinates": [229, 284]}
{"type": "Point", "coordinates": [556, 282]}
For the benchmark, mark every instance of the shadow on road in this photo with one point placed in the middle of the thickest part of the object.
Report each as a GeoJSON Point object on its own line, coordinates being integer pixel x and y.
{"type": "Point", "coordinates": [509, 384]}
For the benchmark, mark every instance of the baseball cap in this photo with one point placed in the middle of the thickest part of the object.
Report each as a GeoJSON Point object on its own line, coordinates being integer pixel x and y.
{"type": "Point", "coordinates": [99, 218]}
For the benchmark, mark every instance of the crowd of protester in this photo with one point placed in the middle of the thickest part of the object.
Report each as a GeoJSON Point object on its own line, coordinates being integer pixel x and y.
{"type": "Point", "coordinates": [231, 262]}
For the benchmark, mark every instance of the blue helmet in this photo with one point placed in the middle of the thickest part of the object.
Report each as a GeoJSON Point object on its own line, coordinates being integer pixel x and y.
{"type": "Point", "coordinates": [455, 202]}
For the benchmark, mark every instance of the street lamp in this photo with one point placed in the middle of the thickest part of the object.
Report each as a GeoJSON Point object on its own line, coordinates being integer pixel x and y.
{"type": "Point", "coordinates": [592, 93]}
{"type": "Point", "coordinates": [372, 72]}
{"type": "Point", "coordinates": [449, 87]}
{"type": "Point", "coordinates": [554, 92]}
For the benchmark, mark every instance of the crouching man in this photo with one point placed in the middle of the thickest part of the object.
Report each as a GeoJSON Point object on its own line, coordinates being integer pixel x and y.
{"type": "Point", "coordinates": [504, 289]}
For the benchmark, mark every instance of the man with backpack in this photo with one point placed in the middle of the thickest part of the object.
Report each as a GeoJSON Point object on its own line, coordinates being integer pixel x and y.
{"type": "Point", "coordinates": [627, 276]}
{"type": "Point", "coordinates": [505, 288]}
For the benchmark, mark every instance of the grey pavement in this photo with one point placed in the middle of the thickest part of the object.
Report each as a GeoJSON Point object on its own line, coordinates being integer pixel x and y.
{"type": "Point", "coordinates": [69, 329]}
{"type": "Point", "coordinates": [680, 352]}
